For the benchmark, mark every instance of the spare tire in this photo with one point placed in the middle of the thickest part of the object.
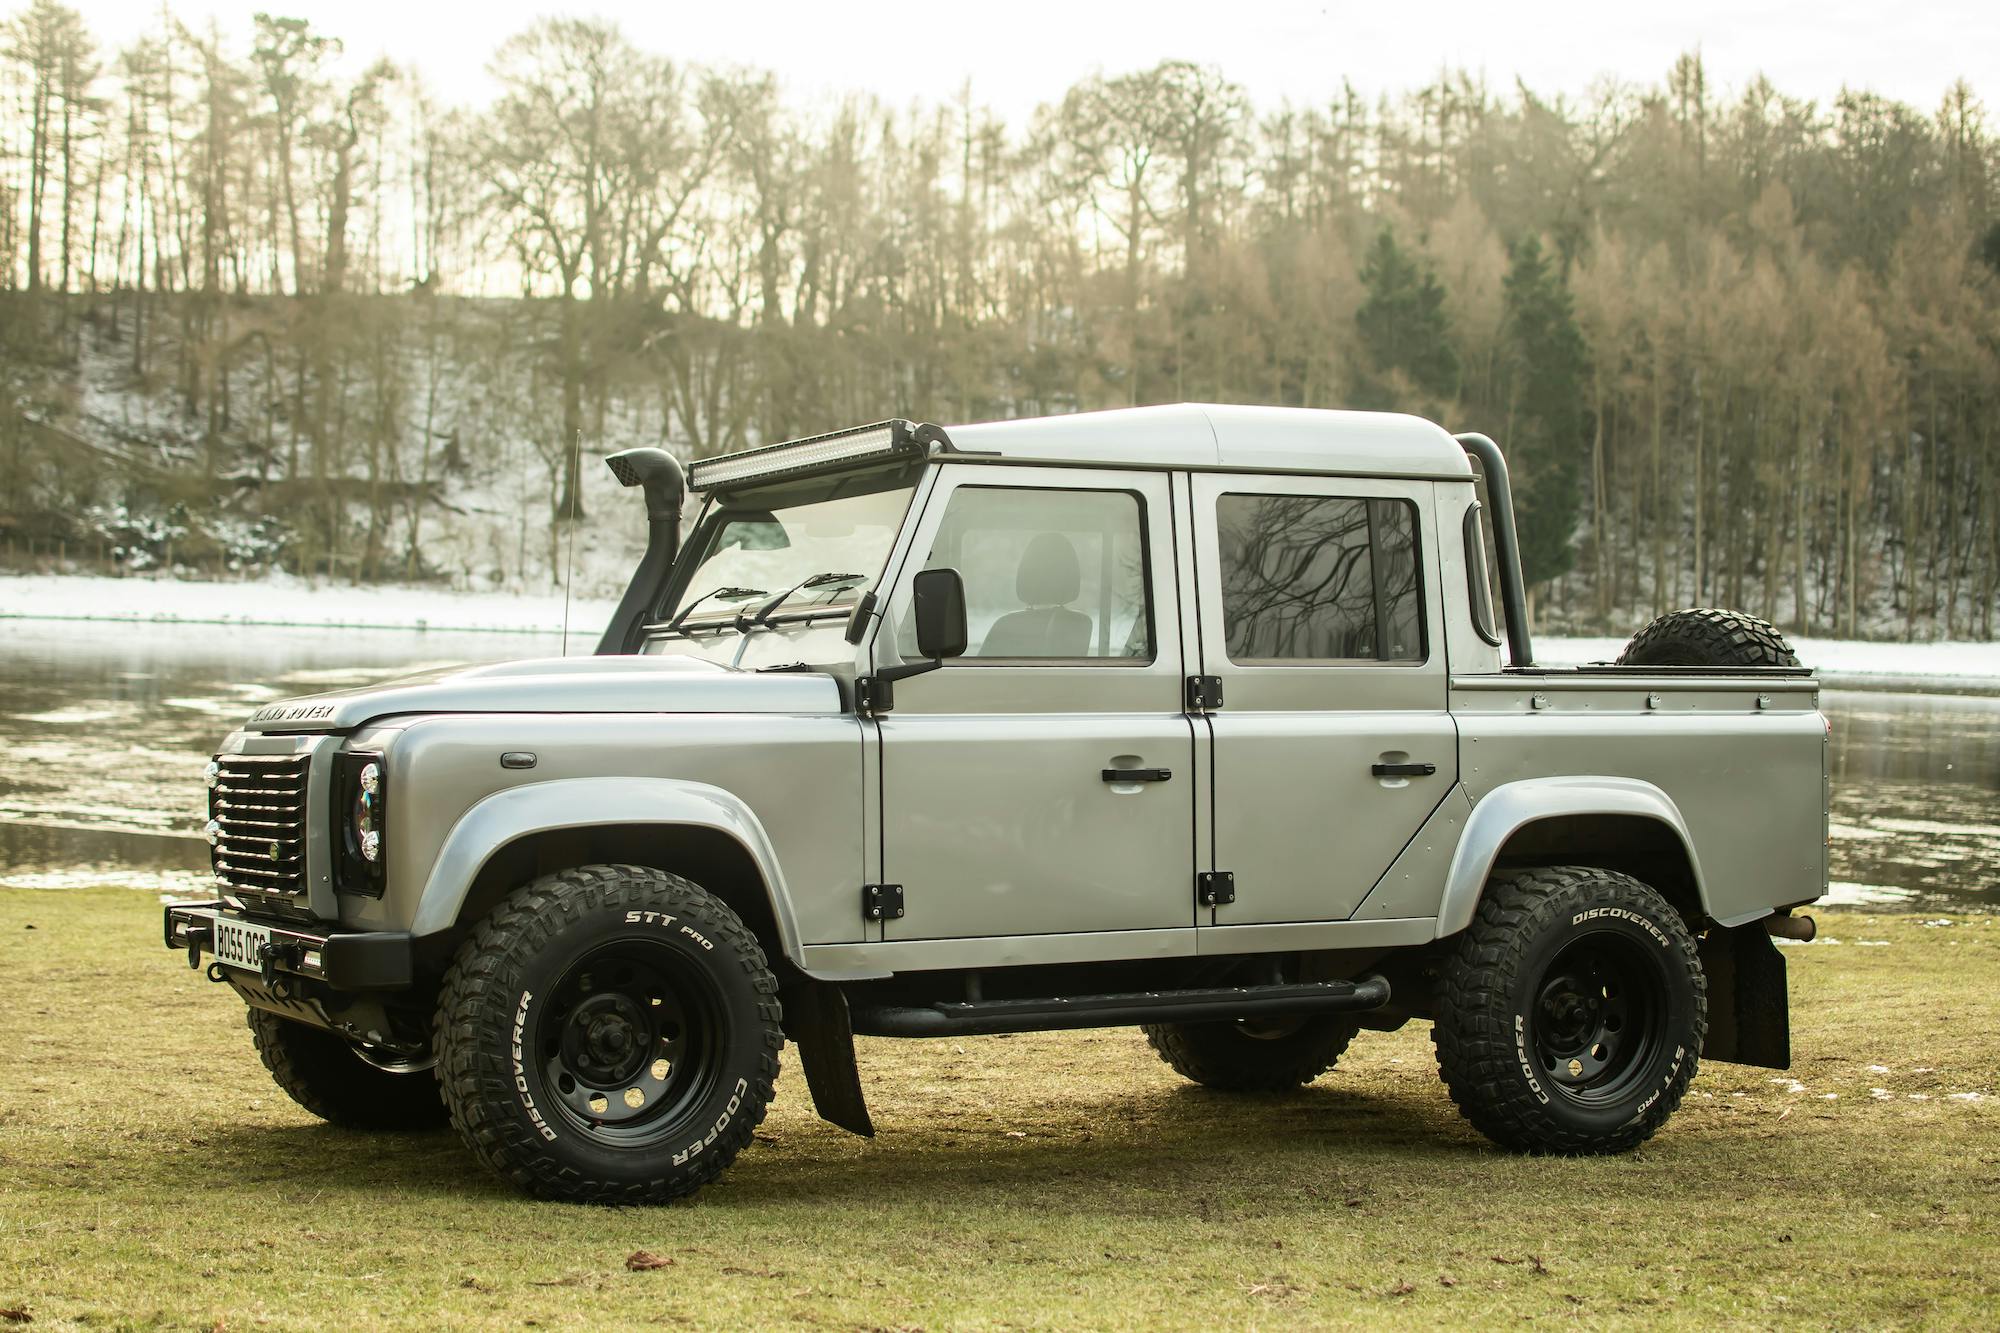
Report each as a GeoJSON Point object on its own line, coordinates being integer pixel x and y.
{"type": "Point", "coordinates": [1708, 638]}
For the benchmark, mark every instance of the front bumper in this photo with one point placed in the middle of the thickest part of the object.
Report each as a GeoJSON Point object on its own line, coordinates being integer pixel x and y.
{"type": "Point", "coordinates": [343, 960]}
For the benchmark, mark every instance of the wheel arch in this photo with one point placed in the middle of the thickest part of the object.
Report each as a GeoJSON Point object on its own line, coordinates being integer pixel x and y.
{"type": "Point", "coordinates": [1614, 823]}
{"type": "Point", "coordinates": [689, 828]}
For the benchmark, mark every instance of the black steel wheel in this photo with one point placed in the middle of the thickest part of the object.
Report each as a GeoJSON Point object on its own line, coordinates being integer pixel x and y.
{"type": "Point", "coordinates": [1599, 1017]}
{"type": "Point", "coordinates": [1572, 1012]}
{"type": "Point", "coordinates": [609, 1034]}
{"type": "Point", "coordinates": [631, 1037]}
{"type": "Point", "coordinates": [1253, 1054]}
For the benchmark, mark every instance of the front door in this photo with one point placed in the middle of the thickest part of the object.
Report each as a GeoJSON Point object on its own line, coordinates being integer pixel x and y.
{"type": "Point", "coordinates": [1041, 784]}
{"type": "Point", "coordinates": [1319, 612]}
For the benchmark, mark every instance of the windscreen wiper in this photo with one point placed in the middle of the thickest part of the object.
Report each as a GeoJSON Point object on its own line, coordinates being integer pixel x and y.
{"type": "Point", "coordinates": [725, 591]}
{"type": "Point", "coordinates": [764, 612]}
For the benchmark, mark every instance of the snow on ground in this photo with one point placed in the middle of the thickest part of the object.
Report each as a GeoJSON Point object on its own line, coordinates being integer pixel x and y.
{"type": "Point", "coordinates": [280, 600]}
{"type": "Point", "coordinates": [290, 601]}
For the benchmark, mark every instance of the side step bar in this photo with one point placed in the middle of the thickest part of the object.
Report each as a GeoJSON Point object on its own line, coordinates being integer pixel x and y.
{"type": "Point", "coordinates": [972, 1018]}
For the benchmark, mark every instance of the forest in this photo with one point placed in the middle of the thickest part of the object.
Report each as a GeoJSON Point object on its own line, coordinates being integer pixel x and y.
{"type": "Point", "coordinates": [258, 314]}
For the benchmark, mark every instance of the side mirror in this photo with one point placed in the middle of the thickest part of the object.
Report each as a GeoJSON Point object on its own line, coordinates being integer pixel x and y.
{"type": "Point", "coordinates": [938, 596]}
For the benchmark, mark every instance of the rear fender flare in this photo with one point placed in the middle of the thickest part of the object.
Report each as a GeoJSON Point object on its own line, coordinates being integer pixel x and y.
{"type": "Point", "coordinates": [570, 803]}
{"type": "Point", "coordinates": [1512, 806]}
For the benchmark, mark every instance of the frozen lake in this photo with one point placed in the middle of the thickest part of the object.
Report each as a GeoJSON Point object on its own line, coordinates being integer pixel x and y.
{"type": "Point", "coordinates": [107, 726]}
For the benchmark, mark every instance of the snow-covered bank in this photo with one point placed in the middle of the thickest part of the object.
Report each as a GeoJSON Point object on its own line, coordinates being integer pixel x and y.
{"type": "Point", "coordinates": [290, 601]}
{"type": "Point", "coordinates": [284, 601]}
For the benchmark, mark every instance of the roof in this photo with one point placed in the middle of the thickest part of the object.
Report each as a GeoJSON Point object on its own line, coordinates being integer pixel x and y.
{"type": "Point", "coordinates": [1207, 435]}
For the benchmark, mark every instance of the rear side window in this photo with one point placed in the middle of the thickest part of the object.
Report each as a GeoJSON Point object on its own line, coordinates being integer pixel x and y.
{"type": "Point", "coordinates": [1478, 585]}
{"type": "Point", "coordinates": [1319, 578]}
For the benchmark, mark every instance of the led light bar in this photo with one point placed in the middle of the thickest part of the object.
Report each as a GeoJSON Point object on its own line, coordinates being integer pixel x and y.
{"type": "Point", "coordinates": [816, 453]}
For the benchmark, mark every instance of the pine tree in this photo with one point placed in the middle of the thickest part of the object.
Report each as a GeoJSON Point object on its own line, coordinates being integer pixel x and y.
{"type": "Point", "coordinates": [1548, 372]}
{"type": "Point", "coordinates": [1403, 329]}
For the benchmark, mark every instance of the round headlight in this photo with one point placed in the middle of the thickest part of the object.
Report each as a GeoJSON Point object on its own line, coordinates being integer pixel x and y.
{"type": "Point", "coordinates": [367, 819]}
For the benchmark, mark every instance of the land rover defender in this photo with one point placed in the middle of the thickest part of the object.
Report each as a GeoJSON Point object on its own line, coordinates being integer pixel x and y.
{"type": "Point", "coordinates": [1205, 720]}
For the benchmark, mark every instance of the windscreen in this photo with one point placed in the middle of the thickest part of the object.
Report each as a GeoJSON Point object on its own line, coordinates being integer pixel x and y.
{"type": "Point", "coordinates": [793, 548]}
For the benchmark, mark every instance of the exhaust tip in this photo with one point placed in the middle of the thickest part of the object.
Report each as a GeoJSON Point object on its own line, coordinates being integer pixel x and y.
{"type": "Point", "coordinates": [1801, 928]}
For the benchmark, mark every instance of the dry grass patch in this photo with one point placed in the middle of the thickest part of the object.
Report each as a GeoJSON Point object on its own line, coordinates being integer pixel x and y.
{"type": "Point", "coordinates": [156, 1178]}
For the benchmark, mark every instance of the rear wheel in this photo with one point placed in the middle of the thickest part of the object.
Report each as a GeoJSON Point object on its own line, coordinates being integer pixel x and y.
{"type": "Point", "coordinates": [1704, 637]}
{"type": "Point", "coordinates": [609, 1034]}
{"type": "Point", "coordinates": [1570, 1015]}
{"type": "Point", "coordinates": [1253, 1055]}
{"type": "Point", "coordinates": [325, 1074]}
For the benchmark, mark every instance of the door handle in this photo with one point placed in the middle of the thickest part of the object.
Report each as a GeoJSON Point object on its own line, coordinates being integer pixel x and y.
{"type": "Point", "coordinates": [1138, 774]}
{"type": "Point", "coordinates": [1403, 770]}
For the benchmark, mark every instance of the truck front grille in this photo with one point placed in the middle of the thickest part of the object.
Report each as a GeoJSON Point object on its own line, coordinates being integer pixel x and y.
{"type": "Point", "coordinates": [258, 833]}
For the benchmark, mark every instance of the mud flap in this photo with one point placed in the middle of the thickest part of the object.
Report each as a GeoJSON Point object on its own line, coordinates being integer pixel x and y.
{"type": "Point", "coordinates": [1749, 1009]}
{"type": "Point", "coordinates": [816, 1019]}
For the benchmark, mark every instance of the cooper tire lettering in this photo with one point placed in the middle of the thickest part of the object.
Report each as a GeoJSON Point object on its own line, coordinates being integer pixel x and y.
{"type": "Point", "coordinates": [1521, 1057]}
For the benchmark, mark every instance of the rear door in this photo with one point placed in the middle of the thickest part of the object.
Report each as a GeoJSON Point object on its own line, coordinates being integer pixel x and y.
{"type": "Point", "coordinates": [1318, 612]}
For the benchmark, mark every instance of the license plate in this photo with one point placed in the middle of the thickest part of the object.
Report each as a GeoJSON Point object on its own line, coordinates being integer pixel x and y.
{"type": "Point", "coordinates": [237, 943]}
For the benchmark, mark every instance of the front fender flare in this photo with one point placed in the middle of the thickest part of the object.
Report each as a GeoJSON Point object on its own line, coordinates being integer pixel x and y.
{"type": "Point", "coordinates": [569, 803]}
{"type": "Point", "coordinates": [1512, 806]}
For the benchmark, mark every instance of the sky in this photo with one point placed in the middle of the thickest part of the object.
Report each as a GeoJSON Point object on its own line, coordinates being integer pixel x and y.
{"type": "Point", "coordinates": [1018, 54]}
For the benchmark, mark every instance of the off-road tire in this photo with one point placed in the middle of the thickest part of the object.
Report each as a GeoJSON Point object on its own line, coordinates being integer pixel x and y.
{"type": "Point", "coordinates": [503, 1100]}
{"type": "Point", "coordinates": [1493, 1020]}
{"type": "Point", "coordinates": [321, 1072]}
{"type": "Point", "coordinates": [1704, 637]}
{"type": "Point", "coordinates": [1230, 1057]}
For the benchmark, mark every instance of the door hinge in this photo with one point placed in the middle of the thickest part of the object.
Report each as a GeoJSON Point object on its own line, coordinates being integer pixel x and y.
{"type": "Point", "coordinates": [1214, 888]}
{"type": "Point", "coordinates": [873, 695]}
{"type": "Point", "coordinates": [882, 902]}
{"type": "Point", "coordinates": [1204, 693]}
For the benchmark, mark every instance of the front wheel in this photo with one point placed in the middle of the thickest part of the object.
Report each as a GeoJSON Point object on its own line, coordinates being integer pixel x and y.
{"type": "Point", "coordinates": [609, 1034]}
{"type": "Point", "coordinates": [1571, 1014]}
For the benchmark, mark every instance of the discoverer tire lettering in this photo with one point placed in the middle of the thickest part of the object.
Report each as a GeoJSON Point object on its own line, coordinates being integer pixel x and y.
{"type": "Point", "coordinates": [595, 980]}
{"type": "Point", "coordinates": [521, 1069]}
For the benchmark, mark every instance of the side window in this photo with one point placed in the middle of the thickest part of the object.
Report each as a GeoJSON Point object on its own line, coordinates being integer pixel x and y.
{"type": "Point", "coordinates": [1478, 583]}
{"type": "Point", "coordinates": [1319, 578]}
{"type": "Point", "coordinates": [1048, 573]}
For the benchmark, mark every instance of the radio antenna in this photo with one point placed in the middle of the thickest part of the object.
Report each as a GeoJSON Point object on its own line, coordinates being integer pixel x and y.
{"type": "Point", "coordinates": [569, 574]}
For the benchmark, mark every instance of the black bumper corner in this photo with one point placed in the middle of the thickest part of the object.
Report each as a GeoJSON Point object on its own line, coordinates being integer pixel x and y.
{"type": "Point", "coordinates": [344, 960]}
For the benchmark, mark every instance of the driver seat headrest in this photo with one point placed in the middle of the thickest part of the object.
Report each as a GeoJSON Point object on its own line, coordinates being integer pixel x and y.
{"type": "Point", "coordinates": [1050, 574]}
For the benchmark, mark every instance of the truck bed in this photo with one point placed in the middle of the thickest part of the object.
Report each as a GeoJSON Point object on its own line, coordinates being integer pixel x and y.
{"type": "Point", "coordinates": [1740, 752]}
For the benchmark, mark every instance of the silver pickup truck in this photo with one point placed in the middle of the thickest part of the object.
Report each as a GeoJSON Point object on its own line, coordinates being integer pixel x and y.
{"type": "Point", "coordinates": [1190, 718]}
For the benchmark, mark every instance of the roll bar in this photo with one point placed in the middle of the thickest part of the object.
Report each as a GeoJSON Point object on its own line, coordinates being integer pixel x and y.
{"type": "Point", "coordinates": [1506, 545]}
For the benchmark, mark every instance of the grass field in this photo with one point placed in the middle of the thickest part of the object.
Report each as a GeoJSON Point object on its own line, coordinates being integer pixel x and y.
{"type": "Point", "coordinates": [154, 1177]}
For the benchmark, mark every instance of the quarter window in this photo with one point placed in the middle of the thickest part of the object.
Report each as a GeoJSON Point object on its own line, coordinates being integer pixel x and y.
{"type": "Point", "coordinates": [1048, 573]}
{"type": "Point", "coordinates": [1322, 578]}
